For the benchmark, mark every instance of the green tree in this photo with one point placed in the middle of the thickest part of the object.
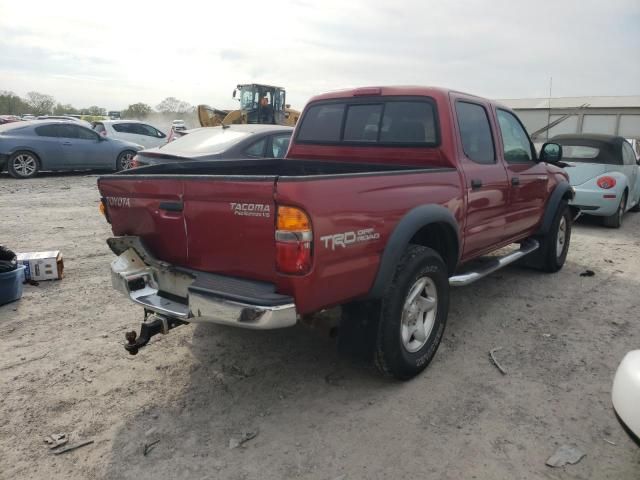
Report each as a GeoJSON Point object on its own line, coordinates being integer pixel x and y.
{"type": "Point", "coordinates": [173, 105]}
{"type": "Point", "coordinates": [65, 109]}
{"type": "Point", "coordinates": [137, 110]}
{"type": "Point", "coordinates": [95, 111]}
{"type": "Point", "coordinates": [12, 104]}
{"type": "Point", "coordinates": [40, 103]}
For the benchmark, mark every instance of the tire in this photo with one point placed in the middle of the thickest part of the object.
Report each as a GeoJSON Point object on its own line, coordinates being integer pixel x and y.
{"type": "Point", "coordinates": [409, 334]}
{"type": "Point", "coordinates": [554, 246]}
{"type": "Point", "coordinates": [23, 164]}
{"type": "Point", "coordinates": [124, 160]}
{"type": "Point", "coordinates": [615, 220]}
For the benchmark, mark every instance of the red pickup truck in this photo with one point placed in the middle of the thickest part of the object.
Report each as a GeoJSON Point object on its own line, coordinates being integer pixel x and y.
{"type": "Point", "coordinates": [385, 196]}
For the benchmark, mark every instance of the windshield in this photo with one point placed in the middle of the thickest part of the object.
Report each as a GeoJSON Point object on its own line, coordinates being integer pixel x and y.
{"type": "Point", "coordinates": [208, 140]}
{"type": "Point", "coordinates": [248, 98]}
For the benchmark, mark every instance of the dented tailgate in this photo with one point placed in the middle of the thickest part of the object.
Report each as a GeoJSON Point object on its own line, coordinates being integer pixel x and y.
{"type": "Point", "coordinates": [213, 224]}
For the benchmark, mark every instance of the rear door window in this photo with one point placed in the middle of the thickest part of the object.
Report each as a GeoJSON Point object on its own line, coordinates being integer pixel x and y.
{"type": "Point", "coordinates": [279, 145]}
{"type": "Point", "coordinates": [257, 149]}
{"type": "Point", "coordinates": [47, 131]}
{"type": "Point", "coordinates": [123, 127]}
{"type": "Point", "coordinates": [475, 132]}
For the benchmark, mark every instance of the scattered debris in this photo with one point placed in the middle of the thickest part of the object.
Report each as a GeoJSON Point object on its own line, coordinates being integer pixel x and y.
{"type": "Point", "coordinates": [56, 440]}
{"type": "Point", "coordinates": [609, 441]}
{"type": "Point", "coordinates": [565, 454]}
{"type": "Point", "coordinates": [31, 282]}
{"type": "Point", "coordinates": [244, 437]}
{"type": "Point", "coordinates": [588, 273]}
{"type": "Point", "coordinates": [72, 447]}
{"type": "Point", "coordinates": [608, 261]}
{"type": "Point", "coordinates": [148, 447]}
{"type": "Point", "coordinates": [495, 361]}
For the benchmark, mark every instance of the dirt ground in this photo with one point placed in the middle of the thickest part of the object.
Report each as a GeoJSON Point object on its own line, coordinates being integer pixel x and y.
{"type": "Point", "coordinates": [317, 415]}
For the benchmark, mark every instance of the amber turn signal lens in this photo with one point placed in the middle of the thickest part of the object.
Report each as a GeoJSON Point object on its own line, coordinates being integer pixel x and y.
{"type": "Point", "coordinates": [291, 218]}
{"type": "Point", "coordinates": [102, 208]}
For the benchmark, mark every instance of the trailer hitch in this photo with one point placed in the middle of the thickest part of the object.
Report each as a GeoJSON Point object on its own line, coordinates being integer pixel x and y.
{"type": "Point", "coordinates": [155, 325]}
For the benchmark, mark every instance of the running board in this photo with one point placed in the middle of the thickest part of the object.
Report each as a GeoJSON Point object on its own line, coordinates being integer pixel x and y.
{"type": "Point", "coordinates": [494, 264]}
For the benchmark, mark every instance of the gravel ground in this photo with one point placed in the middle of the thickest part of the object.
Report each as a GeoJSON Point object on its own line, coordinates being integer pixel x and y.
{"type": "Point", "coordinates": [317, 415]}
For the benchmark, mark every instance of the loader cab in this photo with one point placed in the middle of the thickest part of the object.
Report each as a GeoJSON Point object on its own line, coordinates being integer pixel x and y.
{"type": "Point", "coordinates": [261, 103]}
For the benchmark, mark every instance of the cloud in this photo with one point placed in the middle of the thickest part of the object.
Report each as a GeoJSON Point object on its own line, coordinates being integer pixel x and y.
{"type": "Point", "coordinates": [140, 51]}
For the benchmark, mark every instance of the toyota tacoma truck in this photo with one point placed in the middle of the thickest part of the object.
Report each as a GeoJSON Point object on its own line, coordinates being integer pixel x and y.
{"type": "Point", "coordinates": [383, 200]}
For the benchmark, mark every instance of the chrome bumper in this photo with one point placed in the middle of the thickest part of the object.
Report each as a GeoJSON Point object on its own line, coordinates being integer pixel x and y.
{"type": "Point", "coordinates": [142, 283]}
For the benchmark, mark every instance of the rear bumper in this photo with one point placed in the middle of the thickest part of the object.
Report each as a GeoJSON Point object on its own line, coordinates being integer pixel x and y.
{"type": "Point", "coordinates": [193, 296]}
{"type": "Point", "coordinates": [592, 202]}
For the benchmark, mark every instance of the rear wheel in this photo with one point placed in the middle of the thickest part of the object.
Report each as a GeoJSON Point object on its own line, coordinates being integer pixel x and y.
{"type": "Point", "coordinates": [413, 314]}
{"type": "Point", "coordinates": [23, 165]}
{"type": "Point", "coordinates": [615, 220]}
{"type": "Point", "coordinates": [124, 160]}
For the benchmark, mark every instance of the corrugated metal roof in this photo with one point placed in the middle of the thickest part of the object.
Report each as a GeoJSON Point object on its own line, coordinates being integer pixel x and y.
{"type": "Point", "coordinates": [632, 101]}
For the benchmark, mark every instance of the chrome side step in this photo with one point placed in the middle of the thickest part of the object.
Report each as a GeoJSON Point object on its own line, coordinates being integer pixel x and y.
{"type": "Point", "coordinates": [526, 247]}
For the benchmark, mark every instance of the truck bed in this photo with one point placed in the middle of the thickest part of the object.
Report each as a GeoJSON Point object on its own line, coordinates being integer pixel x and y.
{"type": "Point", "coordinates": [276, 167]}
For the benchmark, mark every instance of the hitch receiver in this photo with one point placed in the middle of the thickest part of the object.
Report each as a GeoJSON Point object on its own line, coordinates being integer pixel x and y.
{"type": "Point", "coordinates": [156, 324]}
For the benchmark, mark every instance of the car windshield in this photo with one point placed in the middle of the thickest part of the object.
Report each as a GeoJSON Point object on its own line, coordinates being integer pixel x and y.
{"type": "Point", "coordinates": [205, 140]}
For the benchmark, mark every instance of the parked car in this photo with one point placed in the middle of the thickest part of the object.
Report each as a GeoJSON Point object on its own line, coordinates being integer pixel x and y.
{"type": "Point", "coordinates": [9, 119]}
{"type": "Point", "coordinates": [210, 143]}
{"type": "Point", "coordinates": [604, 172]}
{"type": "Point", "coordinates": [132, 131]}
{"type": "Point", "coordinates": [29, 147]}
{"type": "Point", "coordinates": [69, 118]}
{"type": "Point", "coordinates": [625, 394]}
{"type": "Point", "coordinates": [385, 197]}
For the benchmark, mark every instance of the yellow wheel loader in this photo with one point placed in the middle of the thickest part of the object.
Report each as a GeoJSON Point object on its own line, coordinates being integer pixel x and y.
{"type": "Point", "coordinates": [258, 104]}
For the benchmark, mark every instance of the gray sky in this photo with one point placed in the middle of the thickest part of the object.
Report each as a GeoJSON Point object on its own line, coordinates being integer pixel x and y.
{"type": "Point", "coordinates": [115, 53]}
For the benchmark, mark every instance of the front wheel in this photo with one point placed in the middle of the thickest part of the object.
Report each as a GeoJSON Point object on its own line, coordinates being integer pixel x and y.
{"type": "Point", "coordinates": [413, 314]}
{"type": "Point", "coordinates": [23, 165]}
{"type": "Point", "coordinates": [125, 159]}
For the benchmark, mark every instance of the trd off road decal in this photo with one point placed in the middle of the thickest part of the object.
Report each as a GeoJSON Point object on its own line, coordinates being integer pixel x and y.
{"type": "Point", "coordinates": [349, 238]}
{"type": "Point", "coordinates": [250, 209]}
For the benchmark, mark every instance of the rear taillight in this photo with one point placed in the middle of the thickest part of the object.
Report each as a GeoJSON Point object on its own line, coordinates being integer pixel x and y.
{"type": "Point", "coordinates": [606, 182]}
{"type": "Point", "coordinates": [294, 241]}
{"type": "Point", "coordinates": [103, 209]}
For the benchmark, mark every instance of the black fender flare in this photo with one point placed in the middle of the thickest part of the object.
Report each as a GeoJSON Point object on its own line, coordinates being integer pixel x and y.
{"type": "Point", "coordinates": [556, 197]}
{"type": "Point", "coordinates": [414, 220]}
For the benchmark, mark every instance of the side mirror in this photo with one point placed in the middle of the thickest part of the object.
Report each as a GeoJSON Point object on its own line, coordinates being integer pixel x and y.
{"type": "Point", "coordinates": [551, 153]}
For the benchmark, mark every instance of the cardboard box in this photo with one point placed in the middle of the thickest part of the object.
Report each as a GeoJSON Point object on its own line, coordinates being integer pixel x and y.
{"type": "Point", "coordinates": [42, 265]}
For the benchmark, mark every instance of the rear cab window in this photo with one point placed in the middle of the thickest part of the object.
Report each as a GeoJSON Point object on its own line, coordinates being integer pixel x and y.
{"type": "Point", "coordinates": [388, 121]}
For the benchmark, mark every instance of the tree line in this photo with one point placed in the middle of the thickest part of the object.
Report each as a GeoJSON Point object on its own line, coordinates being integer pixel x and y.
{"type": "Point", "coordinates": [37, 103]}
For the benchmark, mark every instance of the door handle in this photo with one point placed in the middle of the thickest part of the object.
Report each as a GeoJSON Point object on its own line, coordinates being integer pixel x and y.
{"type": "Point", "coordinates": [476, 183]}
{"type": "Point", "coordinates": [515, 181]}
{"type": "Point", "coordinates": [171, 206]}
{"type": "Point", "coordinates": [67, 144]}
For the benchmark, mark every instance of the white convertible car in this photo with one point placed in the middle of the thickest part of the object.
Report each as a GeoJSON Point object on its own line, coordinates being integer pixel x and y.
{"type": "Point", "coordinates": [605, 173]}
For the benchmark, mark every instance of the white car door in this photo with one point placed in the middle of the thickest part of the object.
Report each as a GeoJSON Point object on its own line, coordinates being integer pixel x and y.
{"type": "Point", "coordinates": [128, 132]}
{"type": "Point", "coordinates": [149, 136]}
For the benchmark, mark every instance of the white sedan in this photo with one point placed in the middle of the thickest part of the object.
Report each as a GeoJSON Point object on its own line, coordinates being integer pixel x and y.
{"type": "Point", "coordinates": [625, 394]}
{"type": "Point", "coordinates": [131, 131]}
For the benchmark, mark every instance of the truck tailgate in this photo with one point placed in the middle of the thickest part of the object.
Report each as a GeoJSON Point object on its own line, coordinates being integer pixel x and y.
{"type": "Point", "coordinates": [211, 224]}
